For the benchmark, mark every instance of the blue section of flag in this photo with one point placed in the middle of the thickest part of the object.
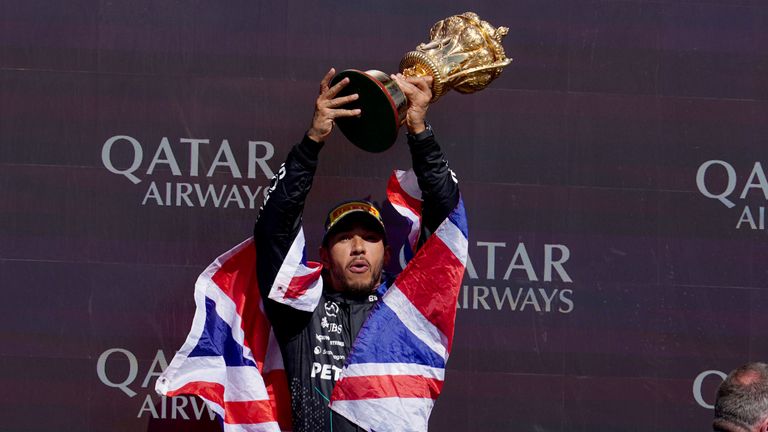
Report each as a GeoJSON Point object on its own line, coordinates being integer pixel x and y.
{"type": "Point", "coordinates": [459, 218]}
{"type": "Point", "coordinates": [217, 340]}
{"type": "Point", "coordinates": [385, 339]}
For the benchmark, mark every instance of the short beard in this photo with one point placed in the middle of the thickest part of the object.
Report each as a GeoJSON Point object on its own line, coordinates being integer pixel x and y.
{"type": "Point", "coordinates": [357, 289]}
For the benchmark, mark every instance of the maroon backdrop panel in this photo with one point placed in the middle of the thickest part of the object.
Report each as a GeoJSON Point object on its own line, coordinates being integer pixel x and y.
{"type": "Point", "coordinates": [613, 177]}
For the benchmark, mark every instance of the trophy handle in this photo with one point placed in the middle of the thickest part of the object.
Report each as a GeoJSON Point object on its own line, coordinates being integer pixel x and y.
{"type": "Point", "coordinates": [417, 64]}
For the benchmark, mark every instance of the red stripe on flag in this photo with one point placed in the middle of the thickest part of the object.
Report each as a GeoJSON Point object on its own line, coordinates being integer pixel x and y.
{"type": "Point", "coordinates": [431, 282]}
{"type": "Point", "coordinates": [398, 196]}
{"type": "Point", "coordinates": [386, 386]}
{"type": "Point", "coordinates": [235, 412]}
{"type": "Point", "coordinates": [212, 391]}
{"type": "Point", "coordinates": [248, 412]}
{"type": "Point", "coordinates": [235, 272]}
{"type": "Point", "coordinates": [277, 387]}
{"type": "Point", "coordinates": [300, 284]}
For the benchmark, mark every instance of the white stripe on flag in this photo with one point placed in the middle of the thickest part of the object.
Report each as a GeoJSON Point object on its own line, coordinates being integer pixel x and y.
{"type": "Point", "coordinates": [410, 185]}
{"type": "Point", "coordinates": [413, 234]}
{"type": "Point", "coordinates": [292, 267]}
{"type": "Point", "coordinates": [387, 414]}
{"type": "Point", "coordinates": [311, 297]}
{"type": "Point", "coordinates": [409, 182]}
{"type": "Point", "coordinates": [415, 321]}
{"type": "Point", "coordinates": [407, 213]}
{"type": "Point", "coordinates": [244, 383]}
{"type": "Point", "coordinates": [288, 267]}
{"type": "Point", "coordinates": [241, 383]}
{"type": "Point", "coordinates": [377, 369]}
{"type": "Point", "coordinates": [207, 369]}
{"type": "Point", "coordinates": [452, 236]}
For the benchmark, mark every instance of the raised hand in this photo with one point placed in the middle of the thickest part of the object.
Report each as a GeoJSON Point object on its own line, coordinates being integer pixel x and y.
{"type": "Point", "coordinates": [418, 90]}
{"type": "Point", "coordinates": [327, 107]}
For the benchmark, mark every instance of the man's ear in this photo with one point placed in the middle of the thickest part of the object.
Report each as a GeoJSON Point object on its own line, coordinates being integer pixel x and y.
{"type": "Point", "coordinates": [387, 254]}
{"type": "Point", "coordinates": [324, 257]}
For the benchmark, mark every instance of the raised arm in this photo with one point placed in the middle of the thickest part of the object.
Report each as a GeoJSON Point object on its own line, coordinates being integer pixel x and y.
{"type": "Point", "coordinates": [279, 219]}
{"type": "Point", "coordinates": [440, 189]}
{"type": "Point", "coordinates": [281, 212]}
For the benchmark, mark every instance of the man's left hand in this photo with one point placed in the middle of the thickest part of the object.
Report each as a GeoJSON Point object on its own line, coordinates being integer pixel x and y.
{"type": "Point", "coordinates": [419, 93]}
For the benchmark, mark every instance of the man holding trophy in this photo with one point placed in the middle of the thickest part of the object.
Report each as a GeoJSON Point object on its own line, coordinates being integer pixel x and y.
{"type": "Point", "coordinates": [353, 252]}
{"type": "Point", "coordinates": [361, 349]}
{"type": "Point", "coordinates": [465, 54]}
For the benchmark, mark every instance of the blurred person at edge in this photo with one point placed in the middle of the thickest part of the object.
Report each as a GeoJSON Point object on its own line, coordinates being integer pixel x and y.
{"type": "Point", "coordinates": [742, 400]}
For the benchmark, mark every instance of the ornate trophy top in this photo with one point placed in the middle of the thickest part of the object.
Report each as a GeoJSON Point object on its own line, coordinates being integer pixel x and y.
{"type": "Point", "coordinates": [464, 53]}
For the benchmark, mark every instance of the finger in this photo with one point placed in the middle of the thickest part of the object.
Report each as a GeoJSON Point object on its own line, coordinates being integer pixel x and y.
{"type": "Point", "coordinates": [326, 80]}
{"type": "Point", "coordinates": [333, 91]}
{"type": "Point", "coordinates": [423, 83]}
{"type": "Point", "coordinates": [338, 113]}
{"type": "Point", "coordinates": [340, 101]}
{"type": "Point", "coordinates": [407, 88]}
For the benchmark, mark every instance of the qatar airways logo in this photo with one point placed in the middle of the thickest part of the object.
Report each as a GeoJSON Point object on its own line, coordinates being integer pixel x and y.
{"type": "Point", "coordinates": [124, 155]}
{"type": "Point", "coordinates": [705, 386]}
{"type": "Point", "coordinates": [119, 369]}
{"type": "Point", "coordinates": [719, 180]}
{"type": "Point", "coordinates": [517, 277]}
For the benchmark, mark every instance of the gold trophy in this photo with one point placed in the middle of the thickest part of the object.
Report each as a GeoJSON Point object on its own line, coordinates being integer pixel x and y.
{"type": "Point", "coordinates": [464, 53]}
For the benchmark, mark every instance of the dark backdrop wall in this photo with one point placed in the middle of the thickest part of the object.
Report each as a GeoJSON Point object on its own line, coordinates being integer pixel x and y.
{"type": "Point", "coordinates": [625, 142]}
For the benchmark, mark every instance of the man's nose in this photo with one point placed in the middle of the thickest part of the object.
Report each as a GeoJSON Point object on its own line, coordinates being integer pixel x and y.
{"type": "Point", "coordinates": [358, 245]}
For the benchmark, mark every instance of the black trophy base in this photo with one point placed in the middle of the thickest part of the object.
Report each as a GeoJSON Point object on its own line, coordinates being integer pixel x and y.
{"type": "Point", "coordinates": [382, 109]}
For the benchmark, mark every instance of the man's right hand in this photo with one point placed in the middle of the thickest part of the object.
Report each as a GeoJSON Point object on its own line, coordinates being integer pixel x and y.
{"type": "Point", "coordinates": [327, 107]}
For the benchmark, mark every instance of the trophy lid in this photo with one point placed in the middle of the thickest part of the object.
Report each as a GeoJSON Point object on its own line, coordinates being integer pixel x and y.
{"type": "Point", "coordinates": [376, 129]}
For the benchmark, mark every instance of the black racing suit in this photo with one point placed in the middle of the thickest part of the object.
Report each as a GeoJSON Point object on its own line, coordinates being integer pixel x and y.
{"type": "Point", "coordinates": [315, 345]}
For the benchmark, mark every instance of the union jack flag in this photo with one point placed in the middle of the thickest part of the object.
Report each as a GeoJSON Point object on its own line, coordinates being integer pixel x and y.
{"type": "Point", "coordinates": [396, 368]}
{"type": "Point", "coordinates": [230, 358]}
{"type": "Point", "coordinates": [397, 364]}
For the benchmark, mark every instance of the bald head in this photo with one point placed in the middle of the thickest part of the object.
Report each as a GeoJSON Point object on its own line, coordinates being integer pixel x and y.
{"type": "Point", "coordinates": [747, 377]}
{"type": "Point", "coordinates": [742, 400]}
